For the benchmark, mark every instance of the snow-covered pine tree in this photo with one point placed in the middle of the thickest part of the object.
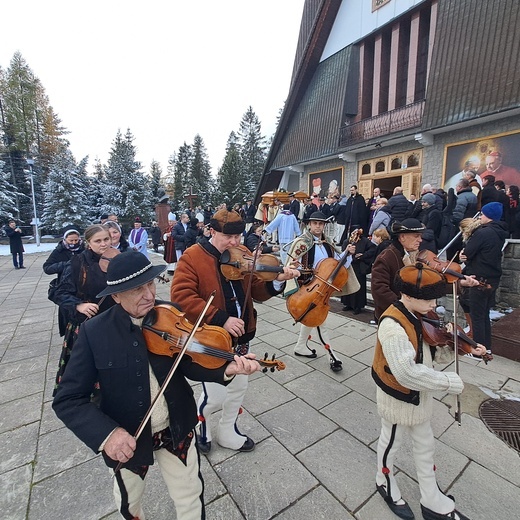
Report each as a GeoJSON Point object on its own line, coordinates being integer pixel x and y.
{"type": "Point", "coordinates": [8, 206]}
{"type": "Point", "coordinates": [252, 152]}
{"type": "Point", "coordinates": [65, 201]}
{"type": "Point", "coordinates": [181, 176]}
{"type": "Point", "coordinates": [200, 171]}
{"type": "Point", "coordinates": [229, 180]}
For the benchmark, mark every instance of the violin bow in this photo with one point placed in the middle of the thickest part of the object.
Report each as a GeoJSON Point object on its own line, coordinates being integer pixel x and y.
{"type": "Point", "coordinates": [456, 349]}
{"type": "Point", "coordinates": [180, 355]}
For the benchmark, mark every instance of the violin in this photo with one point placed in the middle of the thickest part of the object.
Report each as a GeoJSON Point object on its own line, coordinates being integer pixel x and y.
{"type": "Point", "coordinates": [436, 333]}
{"type": "Point", "coordinates": [110, 253]}
{"type": "Point", "coordinates": [451, 270]}
{"type": "Point", "coordinates": [236, 262]}
{"type": "Point", "coordinates": [166, 330]}
{"type": "Point", "coordinates": [355, 236]}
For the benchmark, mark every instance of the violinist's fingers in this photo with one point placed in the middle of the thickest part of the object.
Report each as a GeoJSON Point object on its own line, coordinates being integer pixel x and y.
{"type": "Point", "coordinates": [449, 327]}
{"type": "Point", "coordinates": [469, 281]}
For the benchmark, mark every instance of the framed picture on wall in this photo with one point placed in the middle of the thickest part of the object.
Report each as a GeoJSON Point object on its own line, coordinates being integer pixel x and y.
{"type": "Point", "coordinates": [495, 155]}
{"type": "Point", "coordinates": [326, 183]}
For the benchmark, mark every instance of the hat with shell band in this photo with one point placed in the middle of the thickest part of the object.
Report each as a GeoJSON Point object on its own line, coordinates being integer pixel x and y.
{"type": "Point", "coordinates": [408, 225]}
{"type": "Point", "coordinates": [128, 271]}
{"type": "Point", "coordinates": [228, 222]}
{"type": "Point", "coordinates": [421, 282]}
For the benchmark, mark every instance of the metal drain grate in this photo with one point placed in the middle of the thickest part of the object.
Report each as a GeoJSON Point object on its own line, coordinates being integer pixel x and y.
{"type": "Point", "coordinates": [503, 418]}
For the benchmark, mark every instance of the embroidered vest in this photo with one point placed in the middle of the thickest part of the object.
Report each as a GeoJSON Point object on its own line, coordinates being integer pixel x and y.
{"type": "Point", "coordinates": [381, 372]}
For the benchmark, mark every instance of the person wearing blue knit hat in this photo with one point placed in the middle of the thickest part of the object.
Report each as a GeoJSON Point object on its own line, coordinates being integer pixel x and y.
{"type": "Point", "coordinates": [483, 258]}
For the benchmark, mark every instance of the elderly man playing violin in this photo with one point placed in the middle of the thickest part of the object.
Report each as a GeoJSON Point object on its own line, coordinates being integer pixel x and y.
{"type": "Point", "coordinates": [112, 350]}
{"type": "Point", "coordinates": [403, 372]}
{"type": "Point", "coordinates": [406, 239]}
{"type": "Point", "coordinates": [199, 272]}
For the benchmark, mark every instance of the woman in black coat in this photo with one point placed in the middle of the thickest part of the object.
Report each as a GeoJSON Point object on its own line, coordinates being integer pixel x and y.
{"type": "Point", "coordinates": [68, 247]}
{"type": "Point", "coordinates": [254, 237]}
{"type": "Point", "coordinates": [117, 239]}
{"type": "Point", "coordinates": [83, 278]}
{"type": "Point", "coordinates": [362, 261]}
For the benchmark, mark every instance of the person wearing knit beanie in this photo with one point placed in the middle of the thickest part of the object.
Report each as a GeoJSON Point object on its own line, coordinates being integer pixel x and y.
{"type": "Point", "coordinates": [405, 378]}
{"type": "Point", "coordinates": [493, 210]}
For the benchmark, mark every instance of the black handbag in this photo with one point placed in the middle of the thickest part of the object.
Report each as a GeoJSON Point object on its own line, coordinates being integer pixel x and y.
{"type": "Point", "coordinates": [51, 292]}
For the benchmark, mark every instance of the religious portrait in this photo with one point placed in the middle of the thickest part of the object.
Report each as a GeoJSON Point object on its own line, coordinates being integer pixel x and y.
{"type": "Point", "coordinates": [326, 183]}
{"type": "Point", "coordinates": [496, 155]}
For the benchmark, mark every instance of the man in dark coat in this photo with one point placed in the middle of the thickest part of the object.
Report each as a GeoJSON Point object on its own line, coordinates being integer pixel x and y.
{"type": "Point", "coordinates": [356, 213]}
{"type": "Point", "coordinates": [400, 206]}
{"type": "Point", "coordinates": [250, 212]}
{"type": "Point", "coordinates": [483, 258]}
{"type": "Point", "coordinates": [431, 217]}
{"type": "Point", "coordinates": [406, 238]}
{"type": "Point", "coordinates": [178, 233]}
{"type": "Point", "coordinates": [489, 193]}
{"type": "Point", "coordinates": [15, 243]}
{"type": "Point", "coordinates": [112, 350]}
{"type": "Point", "coordinates": [294, 206]}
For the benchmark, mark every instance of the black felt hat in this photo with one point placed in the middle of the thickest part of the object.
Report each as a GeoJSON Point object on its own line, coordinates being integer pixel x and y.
{"type": "Point", "coordinates": [408, 225]}
{"type": "Point", "coordinates": [128, 271]}
{"type": "Point", "coordinates": [318, 216]}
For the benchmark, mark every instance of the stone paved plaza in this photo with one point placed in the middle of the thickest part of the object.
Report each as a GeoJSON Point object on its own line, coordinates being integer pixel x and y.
{"type": "Point", "coordinates": [315, 430]}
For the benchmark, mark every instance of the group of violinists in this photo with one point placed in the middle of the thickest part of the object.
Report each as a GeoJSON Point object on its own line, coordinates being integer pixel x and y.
{"type": "Point", "coordinates": [135, 406]}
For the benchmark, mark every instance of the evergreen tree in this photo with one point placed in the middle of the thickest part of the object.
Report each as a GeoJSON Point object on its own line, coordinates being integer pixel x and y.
{"type": "Point", "coordinates": [65, 193]}
{"type": "Point", "coordinates": [230, 186]}
{"type": "Point", "coordinates": [94, 192]}
{"type": "Point", "coordinates": [8, 193]}
{"type": "Point", "coordinates": [125, 192]}
{"type": "Point", "coordinates": [252, 152]}
{"type": "Point", "coordinates": [181, 176]}
{"type": "Point", "coordinates": [200, 171]}
{"type": "Point", "coordinates": [154, 180]}
{"type": "Point", "coordinates": [31, 130]}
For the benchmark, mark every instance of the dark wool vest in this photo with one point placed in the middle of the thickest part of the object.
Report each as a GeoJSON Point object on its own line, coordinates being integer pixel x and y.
{"type": "Point", "coordinates": [381, 372]}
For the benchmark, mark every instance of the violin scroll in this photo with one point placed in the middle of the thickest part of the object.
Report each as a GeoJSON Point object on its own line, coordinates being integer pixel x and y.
{"type": "Point", "coordinates": [271, 364]}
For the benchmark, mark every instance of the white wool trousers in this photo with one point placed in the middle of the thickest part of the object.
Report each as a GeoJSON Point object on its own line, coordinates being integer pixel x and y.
{"type": "Point", "coordinates": [423, 441]}
{"type": "Point", "coordinates": [228, 398]}
{"type": "Point", "coordinates": [184, 483]}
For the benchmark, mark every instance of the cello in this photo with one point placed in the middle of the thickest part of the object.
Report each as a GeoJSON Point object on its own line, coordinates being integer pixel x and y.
{"type": "Point", "coordinates": [310, 304]}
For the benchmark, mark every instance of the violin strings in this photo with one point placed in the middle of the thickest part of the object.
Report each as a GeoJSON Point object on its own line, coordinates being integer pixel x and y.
{"type": "Point", "coordinates": [179, 342]}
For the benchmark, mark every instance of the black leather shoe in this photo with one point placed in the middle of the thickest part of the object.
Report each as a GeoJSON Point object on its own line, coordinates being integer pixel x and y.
{"type": "Point", "coordinates": [336, 366]}
{"type": "Point", "coordinates": [402, 511]}
{"type": "Point", "coordinates": [428, 514]}
{"type": "Point", "coordinates": [204, 447]}
{"type": "Point", "coordinates": [310, 356]}
{"type": "Point", "coordinates": [22, 267]}
{"type": "Point", "coordinates": [346, 308]}
{"type": "Point", "coordinates": [249, 445]}
{"type": "Point", "coordinates": [356, 311]}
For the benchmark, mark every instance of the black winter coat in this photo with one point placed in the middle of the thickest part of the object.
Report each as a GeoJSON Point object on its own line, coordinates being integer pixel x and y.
{"type": "Point", "coordinates": [400, 207]}
{"type": "Point", "coordinates": [111, 350]}
{"type": "Point", "coordinates": [484, 251]}
{"type": "Point", "coordinates": [432, 219]}
{"type": "Point", "coordinates": [59, 258]}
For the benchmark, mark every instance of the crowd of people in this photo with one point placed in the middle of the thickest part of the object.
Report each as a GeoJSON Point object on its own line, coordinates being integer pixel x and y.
{"type": "Point", "coordinates": [108, 375]}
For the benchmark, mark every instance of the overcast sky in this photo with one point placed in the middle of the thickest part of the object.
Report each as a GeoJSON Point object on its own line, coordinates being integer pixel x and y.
{"type": "Point", "coordinates": [166, 69]}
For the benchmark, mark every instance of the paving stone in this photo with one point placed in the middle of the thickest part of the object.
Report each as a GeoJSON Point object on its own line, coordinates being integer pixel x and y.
{"type": "Point", "coordinates": [319, 504]}
{"type": "Point", "coordinates": [15, 489]}
{"type": "Point", "coordinates": [296, 425]}
{"type": "Point", "coordinates": [10, 442]}
{"type": "Point", "coordinates": [293, 369]}
{"type": "Point", "coordinates": [363, 384]}
{"type": "Point", "coordinates": [27, 352]}
{"type": "Point", "coordinates": [84, 491]}
{"type": "Point", "coordinates": [345, 466]}
{"type": "Point", "coordinates": [265, 394]}
{"type": "Point", "coordinates": [485, 448]}
{"type": "Point", "coordinates": [276, 477]}
{"type": "Point", "coordinates": [279, 338]}
{"type": "Point", "coordinates": [481, 494]}
{"type": "Point", "coordinates": [50, 421]}
{"type": "Point", "coordinates": [317, 389]}
{"type": "Point", "coordinates": [357, 415]}
{"type": "Point", "coordinates": [223, 509]}
{"type": "Point", "coordinates": [376, 508]}
{"type": "Point", "coordinates": [357, 330]}
{"type": "Point", "coordinates": [21, 386]}
{"type": "Point", "coordinates": [58, 451]}
{"type": "Point", "coordinates": [20, 412]}
{"type": "Point", "coordinates": [16, 369]}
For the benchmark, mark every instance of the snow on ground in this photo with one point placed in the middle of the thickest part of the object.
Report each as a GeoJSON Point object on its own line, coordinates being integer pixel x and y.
{"type": "Point", "coordinates": [29, 248]}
